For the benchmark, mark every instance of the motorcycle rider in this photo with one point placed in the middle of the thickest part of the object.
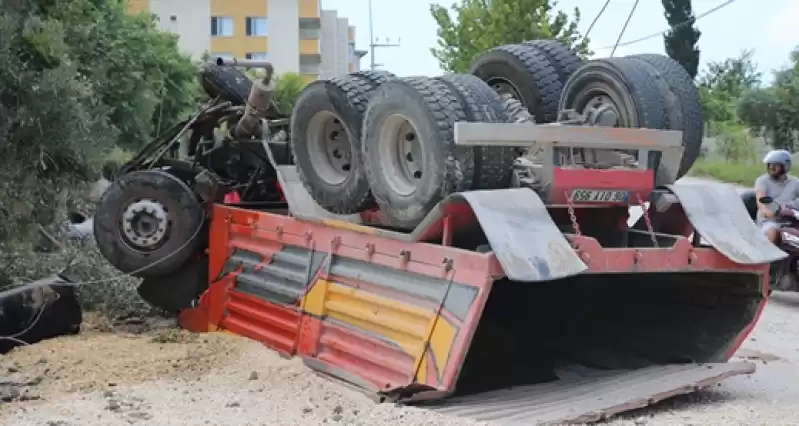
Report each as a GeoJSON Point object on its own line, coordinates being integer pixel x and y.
{"type": "Point", "coordinates": [779, 185]}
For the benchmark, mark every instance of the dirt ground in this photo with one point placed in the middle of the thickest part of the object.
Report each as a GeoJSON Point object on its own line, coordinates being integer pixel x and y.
{"type": "Point", "coordinates": [163, 376]}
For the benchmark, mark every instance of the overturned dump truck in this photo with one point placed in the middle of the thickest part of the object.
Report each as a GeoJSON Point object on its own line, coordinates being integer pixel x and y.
{"type": "Point", "coordinates": [460, 242]}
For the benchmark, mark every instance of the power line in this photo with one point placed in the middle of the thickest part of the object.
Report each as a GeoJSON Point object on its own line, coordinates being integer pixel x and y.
{"type": "Point", "coordinates": [624, 28]}
{"type": "Point", "coordinates": [661, 33]}
{"type": "Point", "coordinates": [596, 18]}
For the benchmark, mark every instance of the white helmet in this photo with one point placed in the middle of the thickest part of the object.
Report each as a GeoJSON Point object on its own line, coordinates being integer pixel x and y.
{"type": "Point", "coordinates": [779, 156]}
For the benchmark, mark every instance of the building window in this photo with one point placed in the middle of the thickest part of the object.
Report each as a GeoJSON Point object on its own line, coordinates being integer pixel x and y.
{"type": "Point", "coordinates": [352, 50]}
{"type": "Point", "coordinates": [257, 27]}
{"type": "Point", "coordinates": [223, 55]}
{"type": "Point", "coordinates": [173, 18]}
{"type": "Point", "coordinates": [257, 56]}
{"type": "Point", "coordinates": [221, 26]}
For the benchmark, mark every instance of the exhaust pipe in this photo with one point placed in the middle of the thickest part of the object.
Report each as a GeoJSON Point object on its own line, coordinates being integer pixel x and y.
{"type": "Point", "coordinates": [260, 98]}
{"type": "Point", "coordinates": [246, 63]}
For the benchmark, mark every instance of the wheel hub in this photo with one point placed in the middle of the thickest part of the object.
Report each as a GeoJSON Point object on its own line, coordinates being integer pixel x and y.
{"type": "Point", "coordinates": [338, 147]}
{"type": "Point", "coordinates": [401, 155]}
{"type": "Point", "coordinates": [145, 223]}
{"type": "Point", "coordinates": [601, 111]}
{"type": "Point", "coordinates": [505, 87]}
{"type": "Point", "coordinates": [410, 151]}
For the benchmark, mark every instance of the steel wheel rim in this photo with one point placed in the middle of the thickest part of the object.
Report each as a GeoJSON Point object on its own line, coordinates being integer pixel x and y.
{"type": "Point", "coordinates": [145, 225]}
{"type": "Point", "coordinates": [401, 155]}
{"type": "Point", "coordinates": [330, 152]}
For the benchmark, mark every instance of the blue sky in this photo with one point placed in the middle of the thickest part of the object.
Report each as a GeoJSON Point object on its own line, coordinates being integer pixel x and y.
{"type": "Point", "coordinates": [767, 26]}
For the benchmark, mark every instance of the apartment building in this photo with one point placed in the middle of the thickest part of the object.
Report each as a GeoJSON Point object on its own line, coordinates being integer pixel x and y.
{"type": "Point", "coordinates": [294, 35]}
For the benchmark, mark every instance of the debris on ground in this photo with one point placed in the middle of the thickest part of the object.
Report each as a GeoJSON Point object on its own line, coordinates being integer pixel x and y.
{"type": "Point", "coordinates": [108, 355]}
{"type": "Point", "coordinates": [165, 376]}
{"type": "Point", "coordinates": [44, 309]}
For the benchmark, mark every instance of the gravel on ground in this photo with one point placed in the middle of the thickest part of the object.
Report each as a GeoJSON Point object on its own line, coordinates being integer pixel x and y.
{"type": "Point", "coordinates": [164, 376]}
{"type": "Point", "coordinates": [120, 375]}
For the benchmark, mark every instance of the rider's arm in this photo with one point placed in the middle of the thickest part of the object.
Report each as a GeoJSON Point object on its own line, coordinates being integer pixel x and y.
{"type": "Point", "coordinates": [760, 192]}
{"type": "Point", "coordinates": [795, 203]}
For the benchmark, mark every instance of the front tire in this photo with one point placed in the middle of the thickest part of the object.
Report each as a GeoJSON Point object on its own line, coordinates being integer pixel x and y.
{"type": "Point", "coordinates": [148, 223]}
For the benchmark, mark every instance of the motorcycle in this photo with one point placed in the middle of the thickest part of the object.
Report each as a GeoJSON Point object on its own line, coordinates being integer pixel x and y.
{"type": "Point", "coordinates": [783, 273]}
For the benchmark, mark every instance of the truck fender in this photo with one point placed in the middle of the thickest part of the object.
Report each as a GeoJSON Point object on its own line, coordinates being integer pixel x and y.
{"type": "Point", "coordinates": [524, 238]}
{"type": "Point", "coordinates": [718, 215]}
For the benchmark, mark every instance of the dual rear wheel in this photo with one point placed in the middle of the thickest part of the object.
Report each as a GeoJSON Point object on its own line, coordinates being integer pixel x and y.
{"type": "Point", "coordinates": [402, 156]}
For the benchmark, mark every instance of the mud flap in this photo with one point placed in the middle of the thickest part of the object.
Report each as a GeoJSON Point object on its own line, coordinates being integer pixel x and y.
{"type": "Point", "coordinates": [716, 212]}
{"type": "Point", "coordinates": [526, 241]}
{"type": "Point", "coordinates": [588, 396]}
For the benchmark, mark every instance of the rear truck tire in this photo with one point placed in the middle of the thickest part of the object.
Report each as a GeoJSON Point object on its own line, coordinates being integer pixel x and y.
{"type": "Point", "coordinates": [562, 58]}
{"type": "Point", "coordinates": [326, 142]}
{"type": "Point", "coordinates": [226, 82]}
{"type": "Point", "coordinates": [409, 150]}
{"type": "Point", "coordinates": [177, 290]}
{"type": "Point", "coordinates": [146, 217]}
{"type": "Point", "coordinates": [525, 73]}
{"type": "Point", "coordinates": [616, 92]}
{"type": "Point", "coordinates": [376, 78]}
{"type": "Point", "coordinates": [493, 166]}
{"type": "Point", "coordinates": [683, 98]}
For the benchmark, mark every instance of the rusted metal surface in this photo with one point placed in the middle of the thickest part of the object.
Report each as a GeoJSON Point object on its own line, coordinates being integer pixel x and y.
{"type": "Point", "coordinates": [551, 146]}
{"type": "Point", "coordinates": [526, 241]}
{"type": "Point", "coordinates": [527, 135]}
{"type": "Point", "coordinates": [716, 212]}
{"type": "Point", "coordinates": [565, 182]}
{"type": "Point", "coordinates": [590, 397]}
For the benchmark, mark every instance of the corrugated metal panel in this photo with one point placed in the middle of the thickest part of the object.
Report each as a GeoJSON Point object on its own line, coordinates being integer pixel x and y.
{"type": "Point", "coordinates": [282, 280]}
{"type": "Point", "coordinates": [274, 325]}
{"type": "Point", "coordinates": [389, 340]}
{"type": "Point", "coordinates": [380, 363]}
{"type": "Point", "coordinates": [592, 397]}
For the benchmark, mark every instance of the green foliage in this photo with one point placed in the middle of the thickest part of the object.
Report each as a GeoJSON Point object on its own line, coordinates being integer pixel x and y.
{"type": "Point", "coordinates": [136, 69]}
{"type": "Point", "coordinates": [78, 77]}
{"type": "Point", "coordinates": [741, 174]}
{"type": "Point", "coordinates": [722, 85]}
{"type": "Point", "coordinates": [734, 143]}
{"type": "Point", "coordinates": [50, 121]}
{"type": "Point", "coordinates": [680, 41]}
{"type": "Point", "coordinates": [480, 25]}
{"type": "Point", "coordinates": [287, 88]}
{"type": "Point", "coordinates": [734, 99]}
{"type": "Point", "coordinates": [757, 107]}
{"type": "Point", "coordinates": [775, 109]}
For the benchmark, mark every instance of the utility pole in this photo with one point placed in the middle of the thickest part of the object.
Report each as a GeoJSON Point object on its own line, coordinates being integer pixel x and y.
{"type": "Point", "coordinates": [373, 43]}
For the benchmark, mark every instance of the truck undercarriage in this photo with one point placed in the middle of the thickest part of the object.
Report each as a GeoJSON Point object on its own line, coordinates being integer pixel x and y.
{"type": "Point", "coordinates": [456, 241]}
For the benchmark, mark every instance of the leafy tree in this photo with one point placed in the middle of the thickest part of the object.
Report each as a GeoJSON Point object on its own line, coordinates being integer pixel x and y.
{"type": "Point", "coordinates": [479, 25]}
{"type": "Point", "coordinates": [680, 41]}
{"type": "Point", "coordinates": [775, 109]}
{"type": "Point", "coordinates": [136, 69]}
{"type": "Point", "coordinates": [78, 76]}
{"type": "Point", "coordinates": [287, 88]}
{"type": "Point", "coordinates": [734, 142]}
{"type": "Point", "coordinates": [722, 85]}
